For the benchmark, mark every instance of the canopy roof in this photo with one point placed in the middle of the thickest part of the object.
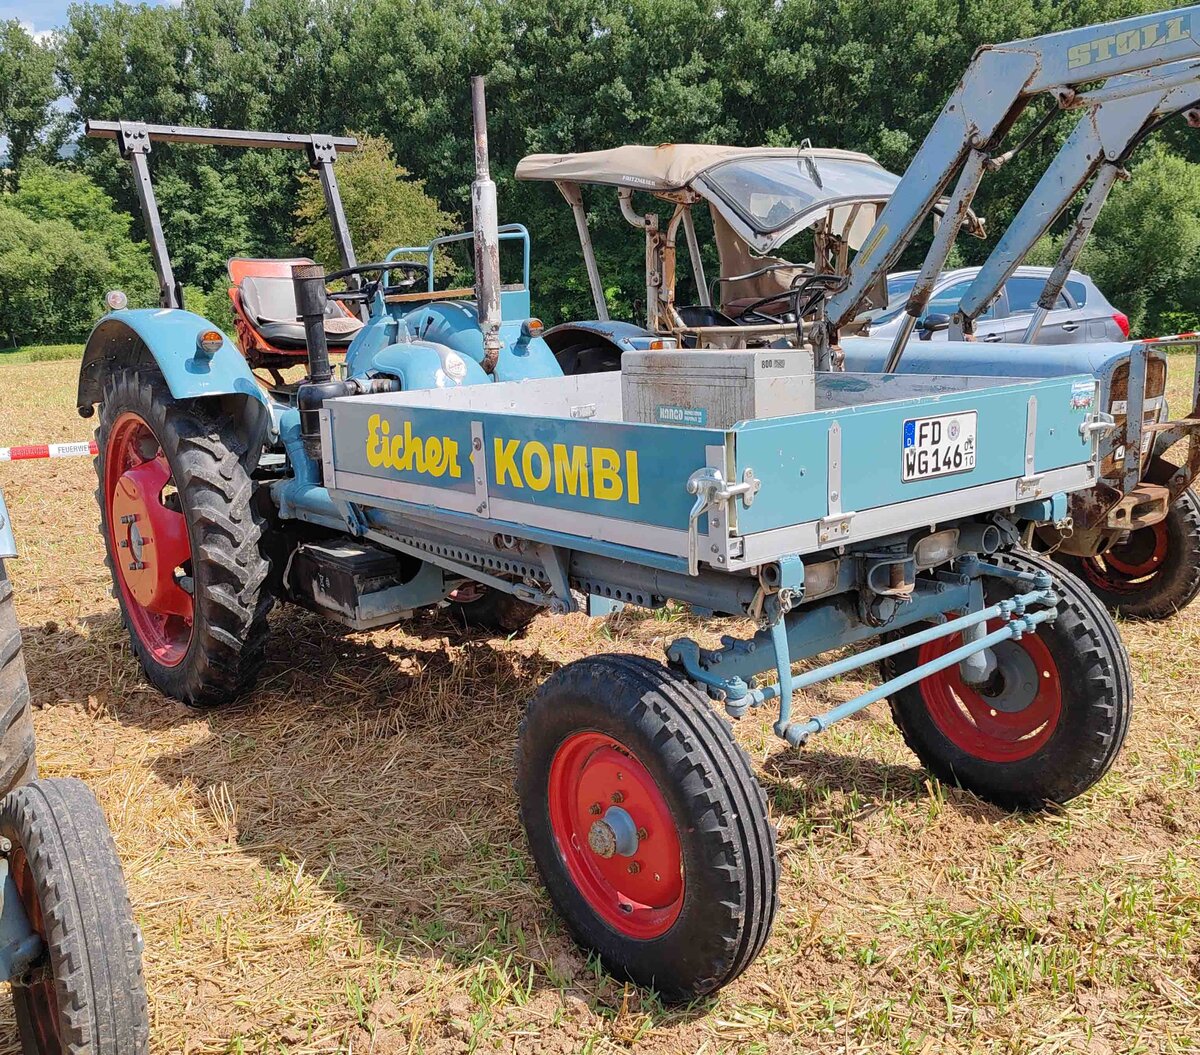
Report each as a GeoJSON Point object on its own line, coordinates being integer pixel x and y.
{"type": "Point", "coordinates": [667, 167]}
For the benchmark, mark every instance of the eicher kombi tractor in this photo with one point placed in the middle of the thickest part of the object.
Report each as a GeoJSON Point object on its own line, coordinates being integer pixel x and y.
{"type": "Point", "coordinates": [451, 453]}
{"type": "Point", "coordinates": [69, 948]}
{"type": "Point", "coordinates": [1134, 537]}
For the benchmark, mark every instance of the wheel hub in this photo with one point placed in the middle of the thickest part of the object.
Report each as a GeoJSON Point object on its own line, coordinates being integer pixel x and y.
{"type": "Point", "coordinates": [1011, 717]}
{"type": "Point", "coordinates": [1014, 684]}
{"type": "Point", "coordinates": [148, 540]}
{"type": "Point", "coordinates": [151, 539]}
{"type": "Point", "coordinates": [616, 834]}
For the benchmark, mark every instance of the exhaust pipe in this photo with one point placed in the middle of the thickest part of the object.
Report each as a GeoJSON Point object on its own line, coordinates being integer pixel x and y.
{"type": "Point", "coordinates": [487, 235]}
{"type": "Point", "coordinates": [320, 385]}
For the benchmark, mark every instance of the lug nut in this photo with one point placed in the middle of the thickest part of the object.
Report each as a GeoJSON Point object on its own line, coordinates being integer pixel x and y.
{"type": "Point", "coordinates": [618, 797]}
{"type": "Point", "coordinates": [594, 809]}
{"type": "Point", "coordinates": [634, 867]}
{"type": "Point", "coordinates": [641, 833]}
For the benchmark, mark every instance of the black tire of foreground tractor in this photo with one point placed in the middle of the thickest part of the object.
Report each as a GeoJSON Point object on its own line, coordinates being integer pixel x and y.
{"type": "Point", "coordinates": [18, 764]}
{"type": "Point", "coordinates": [647, 825]}
{"type": "Point", "coordinates": [1051, 721]}
{"type": "Point", "coordinates": [177, 509]}
{"type": "Point", "coordinates": [86, 994]}
{"type": "Point", "coordinates": [1155, 572]}
{"type": "Point", "coordinates": [493, 610]}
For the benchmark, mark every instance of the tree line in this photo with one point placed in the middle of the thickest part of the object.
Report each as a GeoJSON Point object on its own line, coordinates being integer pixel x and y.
{"type": "Point", "coordinates": [562, 75]}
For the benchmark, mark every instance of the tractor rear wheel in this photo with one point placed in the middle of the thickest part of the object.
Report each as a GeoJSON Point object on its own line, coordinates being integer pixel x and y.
{"type": "Point", "coordinates": [84, 993]}
{"type": "Point", "coordinates": [17, 744]}
{"type": "Point", "coordinates": [1050, 722]}
{"type": "Point", "coordinates": [1154, 571]}
{"type": "Point", "coordinates": [647, 824]}
{"type": "Point", "coordinates": [184, 540]}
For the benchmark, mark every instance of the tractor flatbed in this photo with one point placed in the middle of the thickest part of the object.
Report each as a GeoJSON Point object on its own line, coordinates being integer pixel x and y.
{"type": "Point", "coordinates": [555, 455]}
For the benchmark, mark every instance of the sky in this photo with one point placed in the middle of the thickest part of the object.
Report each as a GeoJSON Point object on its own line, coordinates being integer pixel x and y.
{"type": "Point", "coordinates": [41, 16]}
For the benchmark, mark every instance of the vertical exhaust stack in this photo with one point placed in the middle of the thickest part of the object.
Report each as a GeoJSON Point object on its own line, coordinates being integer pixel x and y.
{"type": "Point", "coordinates": [487, 235]}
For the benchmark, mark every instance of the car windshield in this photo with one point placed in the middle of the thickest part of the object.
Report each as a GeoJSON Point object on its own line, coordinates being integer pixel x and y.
{"type": "Point", "coordinates": [771, 192]}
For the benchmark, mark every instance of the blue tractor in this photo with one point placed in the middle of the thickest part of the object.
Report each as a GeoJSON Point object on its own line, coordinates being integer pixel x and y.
{"type": "Point", "coordinates": [731, 466]}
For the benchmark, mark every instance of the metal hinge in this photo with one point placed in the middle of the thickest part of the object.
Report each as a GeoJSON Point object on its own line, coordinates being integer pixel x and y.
{"type": "Point", "coordinates": [709, 487]}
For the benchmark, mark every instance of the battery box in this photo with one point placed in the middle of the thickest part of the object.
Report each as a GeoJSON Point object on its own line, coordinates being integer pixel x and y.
{"type": "Point", "coordinates": [715, 388]}
{"type": "Point", "coordinates": [360, 585]}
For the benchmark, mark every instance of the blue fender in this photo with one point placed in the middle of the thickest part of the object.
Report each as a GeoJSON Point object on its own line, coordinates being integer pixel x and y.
{"type": "Point", "coordinates": [624, 336]}
{"type": "Point", "coordinates": [168, 337]}
{"type": "Point", "coordinates": [423, 364]}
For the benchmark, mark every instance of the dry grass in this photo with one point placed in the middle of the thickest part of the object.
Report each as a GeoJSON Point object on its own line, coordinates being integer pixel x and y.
{"type": "Point", "coordinates": [336, 865]}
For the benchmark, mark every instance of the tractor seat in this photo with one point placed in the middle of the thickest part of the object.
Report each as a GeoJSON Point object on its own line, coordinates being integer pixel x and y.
{"type": "Point", "coordinates": [270, 307]}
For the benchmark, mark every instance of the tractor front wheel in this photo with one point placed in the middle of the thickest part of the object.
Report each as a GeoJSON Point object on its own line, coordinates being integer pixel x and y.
{"type": "Point", "coordinates": [1049, 722]}
{"type": "Point", "coordinates": [1154, 571]}
{"type": "Point", "coordinates": [647, 825]}
{"type": "Point", "coordinates": [184, 540]}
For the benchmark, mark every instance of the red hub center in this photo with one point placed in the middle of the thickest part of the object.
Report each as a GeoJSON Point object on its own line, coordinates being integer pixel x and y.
{"type": "Point", "coordinates": [1010, 718]}
{"type": "Point", "coordinates": [149, 540]}
{"type": "Point", "coordinates": [1139, 556]}
{"type": "Point", "coordinates": [616, 835]}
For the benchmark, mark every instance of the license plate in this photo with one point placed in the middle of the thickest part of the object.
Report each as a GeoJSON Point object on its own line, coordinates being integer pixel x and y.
{"type": "Point", "coordinates": [938, 446]}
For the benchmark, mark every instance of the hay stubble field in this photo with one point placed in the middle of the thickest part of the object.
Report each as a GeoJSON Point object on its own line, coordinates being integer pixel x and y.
{"type": "Point", "coordinates": [335, 863]}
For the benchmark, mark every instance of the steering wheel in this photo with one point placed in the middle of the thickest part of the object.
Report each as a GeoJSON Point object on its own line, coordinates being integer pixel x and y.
{"type": "Point", "coordinates": [800, 286]}
{"type": "Point", "coordinates": [367, 290]}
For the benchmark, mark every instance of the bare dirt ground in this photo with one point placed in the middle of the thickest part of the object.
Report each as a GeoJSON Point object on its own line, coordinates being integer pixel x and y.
{"type": "Point", "coordinates": [335, 864]}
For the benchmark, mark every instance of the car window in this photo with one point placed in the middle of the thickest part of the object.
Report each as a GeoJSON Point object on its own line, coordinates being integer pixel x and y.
{"type": "Point", "coordinates": [1023, 292]}
{"type": "Point", "coordinates": [946, 300]}
{"type": "Point", "coordinates": [1078, 291]}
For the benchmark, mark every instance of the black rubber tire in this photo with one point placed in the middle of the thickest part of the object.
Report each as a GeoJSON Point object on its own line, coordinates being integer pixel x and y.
{"type": "Point", "coordinates": [727, 841]}
{"type": "Point", "coordinates": [232, 597]}
{"type": "Point", "coordinates": [588, 358]}
{"type": "Point", "coordinates": [1172, 587]}
{"type": "Point", "coordinates": [495, 610]}
{"type": "Point", "coordinates": [87, 992]}
{"type": "Point", "coordinates": [18, 764]}
{"type": "Point", "coordinates": [1097, 703]}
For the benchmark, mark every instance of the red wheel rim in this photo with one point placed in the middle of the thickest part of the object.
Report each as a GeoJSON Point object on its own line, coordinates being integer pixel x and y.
{"type": "Point", "coordinates": [1125, 567]}
{"type": "Point", "coordinates": [41, 1001]}
{"type": "Point", "coordinates": [148, 539]}
{"type": "Point", "coordinates": [1010, 719]}
{"type": "Point", "coordinates": [597, 788]}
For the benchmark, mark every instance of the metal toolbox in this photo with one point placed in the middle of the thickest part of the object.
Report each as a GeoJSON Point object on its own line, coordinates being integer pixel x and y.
{"type": "Point", "coordinates": [716, 388]}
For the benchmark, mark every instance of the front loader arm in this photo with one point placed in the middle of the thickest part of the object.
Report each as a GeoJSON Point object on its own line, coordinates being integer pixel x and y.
{"type": "Point", "coordinates": [1101, 142]}
{"type": "Point", "coordinates": [993, 92]}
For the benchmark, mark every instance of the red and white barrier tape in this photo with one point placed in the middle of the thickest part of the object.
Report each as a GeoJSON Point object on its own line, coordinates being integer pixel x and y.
{"type": "Point", "coordinates": [84, 449]}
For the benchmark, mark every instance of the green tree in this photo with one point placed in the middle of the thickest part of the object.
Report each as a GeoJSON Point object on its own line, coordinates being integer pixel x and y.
{"type": "Point", "coordinates": [27, 90]}
{"type": "Point", "coordinates": [1145, 249]}
{"type": "Point", "coordinates": [62, 246]}
{"type": "Point", "coordinates": [385, 206]}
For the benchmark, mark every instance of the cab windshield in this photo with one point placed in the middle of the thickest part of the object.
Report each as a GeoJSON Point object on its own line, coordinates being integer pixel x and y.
{"type": "Point", "coordinates": [770, 193]}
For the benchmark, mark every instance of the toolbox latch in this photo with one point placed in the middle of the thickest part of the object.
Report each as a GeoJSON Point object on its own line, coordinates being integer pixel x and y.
{"type": "Point", "coordinates": [709, 487]}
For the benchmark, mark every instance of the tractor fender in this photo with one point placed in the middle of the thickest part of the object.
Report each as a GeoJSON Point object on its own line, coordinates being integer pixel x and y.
{"type": "Point", "coordinates": [166, 337]}
{"type": "Point", "coordinates": [623, 336]}
{"type": "Point", "coordinates": [427, 364]}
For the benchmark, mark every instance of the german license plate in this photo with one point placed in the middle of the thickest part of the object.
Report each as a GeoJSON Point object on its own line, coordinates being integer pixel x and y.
{"type": "Point", "coordinates": [938, 446]}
